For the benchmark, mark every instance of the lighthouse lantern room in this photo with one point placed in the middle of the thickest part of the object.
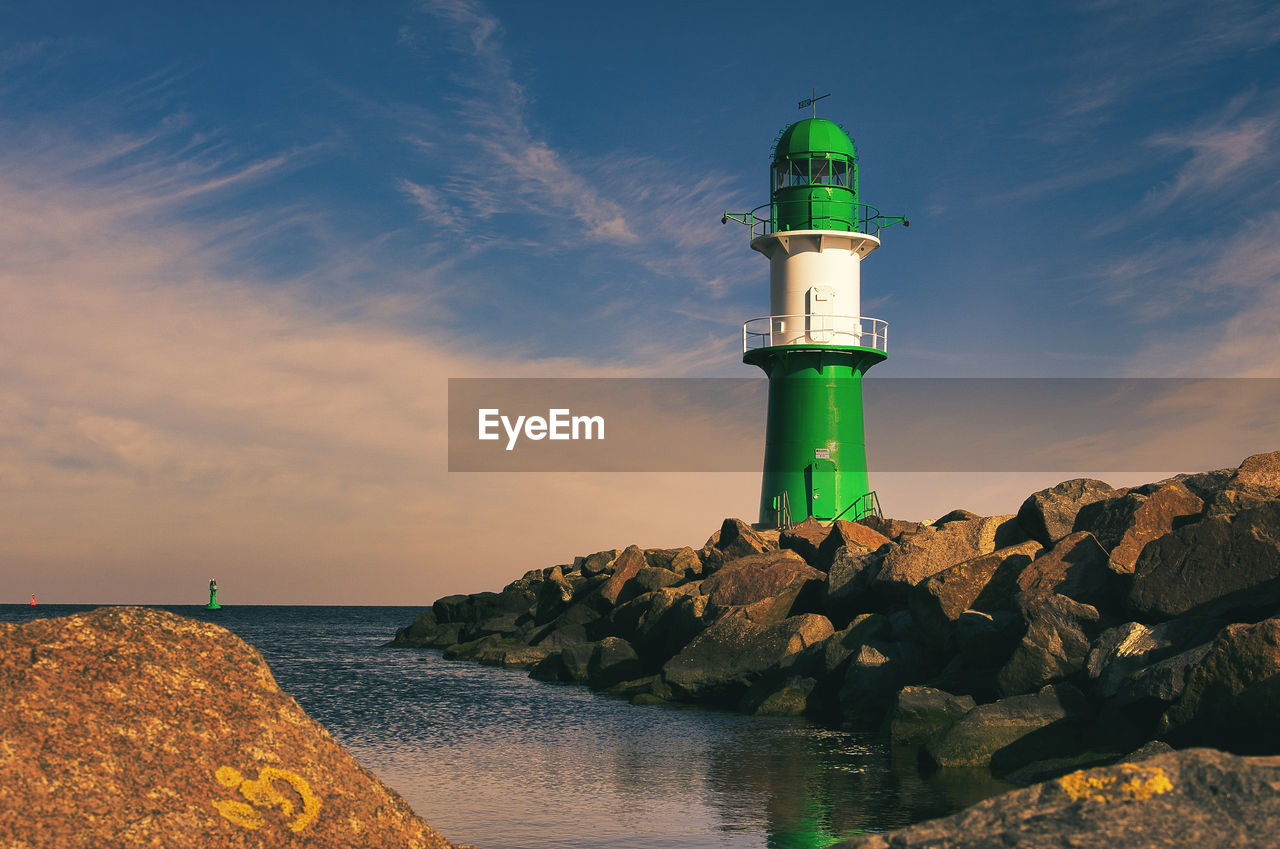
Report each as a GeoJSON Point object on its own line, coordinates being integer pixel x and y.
{"type": "Point", "coordinates": [815, 344]}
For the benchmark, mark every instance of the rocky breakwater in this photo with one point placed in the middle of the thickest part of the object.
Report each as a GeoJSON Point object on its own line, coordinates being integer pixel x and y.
{"type": "Point", "coordinates": [135, 727]}
{"type": "Point", "coordinates": [1089, 623]}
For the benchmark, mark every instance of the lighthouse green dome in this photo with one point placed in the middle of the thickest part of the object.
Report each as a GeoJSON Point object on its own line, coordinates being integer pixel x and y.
{"type": "Point", "coordinates": [814, 178]}
{"type": "Point", "coordinates": [813, 135]}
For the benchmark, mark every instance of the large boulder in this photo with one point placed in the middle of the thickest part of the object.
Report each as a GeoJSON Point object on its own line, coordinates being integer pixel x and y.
{"type": "Point", "coordinates": [1144, 696]}
{"type": "Point", "coordinates": [725, 659]}
{"type": "Point", "coordinates": [734, 539]}
{"type": "Point", "coordinates": [938, 601]}
{"type": "Point", "coordinates": [1254, 483]}
{"type": "Point", "coordinates": [1050, 514]}
{"type": "Point", "coordinates": [647, 580]}
{"type": "Point", "coordinates": [1120, 652]}
{"type": "Point", "coordinates": [1076, 566]}
{"type": "Point", "coordinates": [763, 587]}
{"type": "Point", "coordinates": [1056, 645]}
{"type": "Point", "coordinates": [419, 633]}
{"type": "Point", "coordinates": [848, 589]}
{"type": "Point", "coordinates": [1006, 727]}
{"type": "Point", "coordinates": [612, 662]}
{"type": "Point", "coordinates": [1124, 525]}
{"type": "Point", "coordinates": [675, 615]}
{"type": "Point", "coordinates": [935, 549]}
{"type": "Point", "coordinates": [682, 561]}
{"type": "Point", "coordinates": [1223, 566]}
{"type": "Point", "coordinates": [626, 567]}
{"type": "Point", "coordinates": [1230, 696]}
{"type": "Point", "coordinates": [1201, 798]}
{"type": "Point", "coordinates": [818, 544]}
{"type": "Point", "coordinates": [895, 530]}
{"type": "Point", "coordinates": [805, 539]}
{"type": "Point", "coordinates": [920, 713]}
{"type": "Point", "coordinates": [136, 727]}
{"type": "Point", "coordinates": [553, 596]}
{"type": "Point", "coordinates": [849, 533]}
{"type": "Point", "coordinates": [599, 563]}
{"type": "Point", "coordinates": [876, 672]}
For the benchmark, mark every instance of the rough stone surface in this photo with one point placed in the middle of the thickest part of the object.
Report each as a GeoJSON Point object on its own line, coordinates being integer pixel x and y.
{"type": "Point", "coordinates": [1056, 645]}
{"type": "Point", "coordinates": [612, 662]}
{"type": "Point", "coordinates": [682, 561]}
{"type": "Point", "coordinates": [419, 634]}
{"type": "Point", "coordinates": [877, 671]}
{"type": "Point", "coordinates": [845, 534]}
{"type": "Point", "coordinates": [938, 601]}
{"type": "Point", "coordinates": [1050, 514]}
{"type": "Point", "coordinates": [1200, 798]}
{"type": "Point", "coordinates": [626, 567]}
{"type": "Point", "coordinates": [647, 580]}
{"type": "Point", "coordinates": [920, 713]}
{"type": "Point", "coordinates": [764, 586]}
{"type": "Point", "coordinates": [737, 539]}
{"type": "Point", "coordinates": [1118, 653]}
{"type": "Point", "coordinates": [849, 581]}
{"type": "Point", "coordinates": [1230, 696]}
{"type": "Point", "coordinates": [1126, 524]}
{"type": "Point", "coordinates": [805, 539]}
{"type": "Point", "coordinates": [1076, 566]}
{"type": "Point", "coordinates": [599, 563]}
{"type": "Point", "coordinates": [933, 550]}
{"type": "Point", "coordinates": [136, 727]}
{"type": "Point", "coordinates": [1149, 691]}
{"type": "Point", "coordinates": [1223, 566]}
{"type": "Point", "coordinates": [982, 733]}
{"type": "Point", "coordinates": [895, 530]}
{"type": "Point", "coordinates": [791, 698]}
{"type": "Point", "coordinates": [675, 616]}
{"type": "Point", "coordinates": [1254, 483]}
{"type": "Point", "coordinates": [729, 656]}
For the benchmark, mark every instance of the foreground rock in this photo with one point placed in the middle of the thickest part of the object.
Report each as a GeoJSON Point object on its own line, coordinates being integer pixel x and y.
{"type": "Point", "coordinates": [135, 727]}
{"type": "Point", "coordinates": [1199, 797]}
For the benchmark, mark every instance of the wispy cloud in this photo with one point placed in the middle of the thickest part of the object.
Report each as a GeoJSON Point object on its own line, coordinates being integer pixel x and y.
{"type": "Point", "coordinates": [1224, 157]}
{"type": "Point", "coordinates": [658, 216]}
{"type": "Point", "coordinates": [1128, 47]}
{"type": "Point", "coordinates": [504, 167]}
{"type": "Point", "coordinates": [168, 412]}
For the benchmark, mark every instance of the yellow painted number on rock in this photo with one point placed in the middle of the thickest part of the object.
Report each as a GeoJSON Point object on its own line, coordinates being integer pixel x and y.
{"type": "Point", "coordinates": [263, 792]}
{"type": "Point", "coordinates": [1143, 783]}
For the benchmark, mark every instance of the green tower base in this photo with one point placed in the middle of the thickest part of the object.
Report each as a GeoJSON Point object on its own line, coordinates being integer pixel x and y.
{"type": "Point", "coordinates": [815, 455]}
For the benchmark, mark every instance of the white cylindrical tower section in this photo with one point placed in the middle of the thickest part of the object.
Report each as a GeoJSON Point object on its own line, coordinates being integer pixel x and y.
{"type": "Point", "coordinates": [814, 285]}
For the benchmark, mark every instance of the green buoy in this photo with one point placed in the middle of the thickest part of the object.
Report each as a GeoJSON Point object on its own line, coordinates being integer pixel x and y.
{"type": "Point", "coordinates": [815, 344]}
{"type": "Point", "coordinates": [213, 596]}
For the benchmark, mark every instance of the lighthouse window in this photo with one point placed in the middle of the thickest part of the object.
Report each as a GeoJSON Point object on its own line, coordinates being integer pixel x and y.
{"type": "Point", "coordinates": [799, 175]}
{"type": "Point", "coordinates": [839, 173]}
{"type": "Point", "coordinates": [822, 171]}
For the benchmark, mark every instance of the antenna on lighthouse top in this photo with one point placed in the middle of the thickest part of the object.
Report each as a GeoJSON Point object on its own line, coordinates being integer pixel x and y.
{"type": "Point", "coordinates": [812, 100]}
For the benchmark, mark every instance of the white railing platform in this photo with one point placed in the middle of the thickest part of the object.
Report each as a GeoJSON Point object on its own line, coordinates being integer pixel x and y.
{"type": "Point", "coordinates": [815, 329]}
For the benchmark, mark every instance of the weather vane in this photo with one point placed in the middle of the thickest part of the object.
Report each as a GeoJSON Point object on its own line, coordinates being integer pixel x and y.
{"type": "Point", "coordinates": [812, 100]}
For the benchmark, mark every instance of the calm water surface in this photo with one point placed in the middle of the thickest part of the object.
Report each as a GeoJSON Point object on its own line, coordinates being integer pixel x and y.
{"type": "Point", "coordinates": [491, 757]}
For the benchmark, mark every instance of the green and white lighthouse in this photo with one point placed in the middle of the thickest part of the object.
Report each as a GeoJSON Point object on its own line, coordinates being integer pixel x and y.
{"type": "Point", "coordinates": [815, 344]}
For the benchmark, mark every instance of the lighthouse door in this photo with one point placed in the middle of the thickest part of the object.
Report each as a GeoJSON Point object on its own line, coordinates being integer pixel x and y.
{"type": "Point", "coordinates": [821, 308]}
{"type": "Point", "coordinates": [820, 477]}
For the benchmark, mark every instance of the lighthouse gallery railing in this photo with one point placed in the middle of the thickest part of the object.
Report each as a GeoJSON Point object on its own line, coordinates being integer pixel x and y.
{"type": "Point", "coordinates": [815, 329]}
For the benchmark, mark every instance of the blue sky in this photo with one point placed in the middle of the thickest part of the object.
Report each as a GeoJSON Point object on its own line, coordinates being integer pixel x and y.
{"type": "Point", "coordinates": [243, 245]}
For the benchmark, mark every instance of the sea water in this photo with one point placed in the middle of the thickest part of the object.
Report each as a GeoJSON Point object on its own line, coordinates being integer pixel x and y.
{"type": "Point", "coordinates": [495, 759]}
